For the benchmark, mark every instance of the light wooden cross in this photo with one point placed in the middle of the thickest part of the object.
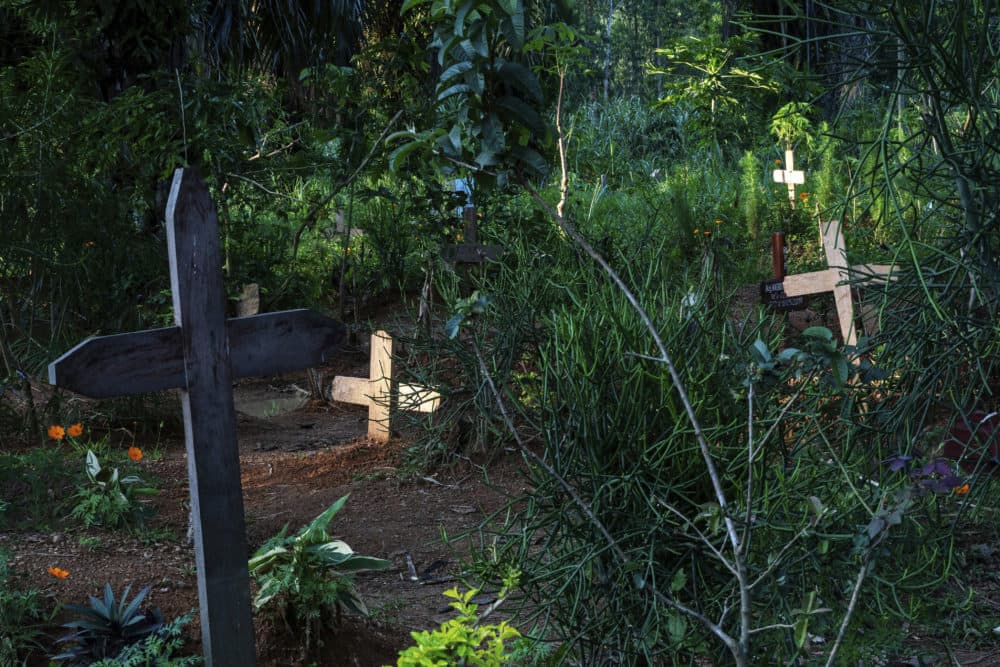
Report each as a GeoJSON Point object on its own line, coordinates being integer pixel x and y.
{"type": "Point", "coordinates": [201, 356]}
{"type": "Point", "coordinates": [375, 391]}
{"type": "Point", "coordinates": [835, 279]}
{"type": "Point", "coordinates": [789, 176]}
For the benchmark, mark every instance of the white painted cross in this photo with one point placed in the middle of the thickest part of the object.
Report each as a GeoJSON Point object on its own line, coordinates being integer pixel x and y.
{"type": "Point", "coordinates": [835, 279]}
{"type": "Point", "coordinates": [201, 356]}
{"type": "Point", "coordinates": [375, 391]}
{"type": "Point", "coordinates": [789, 175]}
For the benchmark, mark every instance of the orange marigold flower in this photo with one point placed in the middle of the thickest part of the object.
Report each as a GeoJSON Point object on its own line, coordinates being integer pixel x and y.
{"type": "Point", "coordinates": [696, 230]}
{"type": "Point", "coordinates": [75, 431]}
{"type": "Point", "coordinates": [135, 453]}
{"type": "Point", "coordinates": [57, 432]}
{"type": "Point", "coordinates": [803, 195]}
{"type": "Point", "coordinates": [707, 232]}
{"type": "Point", "coordinates": [718, 221]}
{"type": "Point", "coordinates": [58, 573]}
{"type": "Point", "coordinates": [962, 490]}
{"type": "Point", "coordinates": [777, 161]}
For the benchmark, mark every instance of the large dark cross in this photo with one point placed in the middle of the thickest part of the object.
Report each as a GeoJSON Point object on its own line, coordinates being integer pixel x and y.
{"type": "Point", "coordinates": [202, 355]}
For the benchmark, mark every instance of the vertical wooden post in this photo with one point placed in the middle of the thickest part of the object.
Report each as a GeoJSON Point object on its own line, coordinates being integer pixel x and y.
{"type": "Point", "coordinates": [778, 266]}
{"type": "Point", "coordinates": [836, 259]}
{"type": "Point", "coordinates": [210, 424]}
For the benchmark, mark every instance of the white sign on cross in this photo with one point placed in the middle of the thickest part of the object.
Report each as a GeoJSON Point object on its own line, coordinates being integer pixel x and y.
{"type": "Point", "coordinates": [789, 176]}
{"type": "Point", "coordinates": [835, 279]}
{"type": "Point", "coordinates": [375, 391]}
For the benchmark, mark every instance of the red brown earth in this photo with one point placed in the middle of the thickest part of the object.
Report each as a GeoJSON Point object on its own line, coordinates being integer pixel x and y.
{"type": "Point", "coordinates": [294, 466]}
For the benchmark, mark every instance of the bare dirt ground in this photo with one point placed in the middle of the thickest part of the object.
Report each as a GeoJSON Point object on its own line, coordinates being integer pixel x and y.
{"type": "Point", "coordinates": [294, 465]}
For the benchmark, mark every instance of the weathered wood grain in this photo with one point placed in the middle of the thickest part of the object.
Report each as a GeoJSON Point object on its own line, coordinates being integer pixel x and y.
{"type": "Point", "coordinates": [152, 360]}
{"type": "Point", "coordinates": [210, 424]}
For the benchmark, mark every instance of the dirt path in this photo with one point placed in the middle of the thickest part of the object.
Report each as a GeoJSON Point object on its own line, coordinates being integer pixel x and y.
{"type": "Point", "coordinates": [294, 466]}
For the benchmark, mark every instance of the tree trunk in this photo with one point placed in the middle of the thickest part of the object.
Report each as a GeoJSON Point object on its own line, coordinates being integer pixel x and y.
{"type": "Point", "coordinates": [612, 7]}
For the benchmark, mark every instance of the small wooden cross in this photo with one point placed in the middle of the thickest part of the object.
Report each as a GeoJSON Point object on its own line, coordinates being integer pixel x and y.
{"type": "Point", "coordinates": [835, 279]}
{"type": "Point", "coordinates": [375, 391]}
{"type": "Point", "coordinates": [201, 355]}
{"type": "Point", "coordinates": [469, 251]}
{"type": "Point", "coordinates": [789, 176]}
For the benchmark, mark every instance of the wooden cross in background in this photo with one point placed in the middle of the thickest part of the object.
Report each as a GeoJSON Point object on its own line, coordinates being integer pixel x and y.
{"type": "Point", "coordinates": [835, 279]}
{"type": "Point", "coordinates": [375, 391]}
{"type": "Point", "coordinates": [789, 176]}
{"type": "Point", "coordinates": [201, 355]}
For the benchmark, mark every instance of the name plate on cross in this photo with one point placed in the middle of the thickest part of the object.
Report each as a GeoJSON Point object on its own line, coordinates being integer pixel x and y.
{"type": "Point", "coordinates": [201, 356]}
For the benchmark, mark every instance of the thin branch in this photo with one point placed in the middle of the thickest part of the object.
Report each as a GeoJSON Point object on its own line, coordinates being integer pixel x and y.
{"type": "Point", "coordinates": [314, 213]}
{"type": "Point", "coordinates": [261, 186]}
{"type": "Point", "coordinates": [622, 557]}
{"type": "Point", "coordinates": [855, 594]}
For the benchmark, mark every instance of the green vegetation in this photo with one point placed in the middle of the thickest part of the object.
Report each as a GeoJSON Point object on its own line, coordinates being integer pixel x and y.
{"type": "Point", "coordinates": [705, 483]}
{"type": "Point", "coordinates": [307, 579]}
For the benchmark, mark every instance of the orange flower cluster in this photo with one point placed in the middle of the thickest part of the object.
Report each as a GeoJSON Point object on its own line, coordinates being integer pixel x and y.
{"type": "Point", "coordinates": [57, 432]}
{"type": "Point", "coordinates": [58, 572]}
{"type": "Point", "coordinates": [962, 490]}
{"type": "Point", "coordinates": [135, 454]}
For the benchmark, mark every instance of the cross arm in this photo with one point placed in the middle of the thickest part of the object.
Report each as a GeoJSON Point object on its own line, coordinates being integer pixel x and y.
{"type": "Point", "coordinates": [152, 360]}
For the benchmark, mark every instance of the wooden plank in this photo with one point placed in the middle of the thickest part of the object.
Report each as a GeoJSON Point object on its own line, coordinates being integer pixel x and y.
{"type": "Point", "coordinates": [373, 392]}
{"type": "Point", "coordinates": [356, 391]}
{"type": "Point", "coordinates": [210, 424]}
{"type": "Point", "coordinates": [123, 364]}
{"type": "Point", "coordinates": [417, 398]}
{"type": "Point", "coordinates": [282, 341]}
{"type": "Point", "coordinates": [468, 253]}
{"type": "Point", "coordinates": [152, 360]}
{"type": "Point", "coordinates": [380, 374]}
{"type": "Point", "coordinates": [836, 259]}
{"type": "Point", "coordinates": [814, 282]}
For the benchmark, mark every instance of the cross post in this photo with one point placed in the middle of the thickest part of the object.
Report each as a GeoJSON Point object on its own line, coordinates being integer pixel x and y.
{"type": "Point", "coordinates": [201, 356]}
{"type": "Point", "coordinates": [789, 176]}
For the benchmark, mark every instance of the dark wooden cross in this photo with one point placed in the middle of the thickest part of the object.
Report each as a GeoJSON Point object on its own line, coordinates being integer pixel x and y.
{"type": "Point", "coordinates": [469, 251]}
{"type": "Point", "coordinates": [201, 356]}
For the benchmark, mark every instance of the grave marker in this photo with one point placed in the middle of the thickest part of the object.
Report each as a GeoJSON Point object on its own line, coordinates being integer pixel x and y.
{"type": "Point", "coordinates": [201, 355]}
{"type": "Point", "coordinates": [789, 176]}
{"type": "Point", "coordinates": [468, 250]}
{"type": "Point", "coordinates": [375, 391]}
{"type": "Point", "coordinates": [835, 279]}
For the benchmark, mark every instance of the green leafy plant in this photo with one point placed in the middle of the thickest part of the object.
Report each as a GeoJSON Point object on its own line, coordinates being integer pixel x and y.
{"type": "Point", "coordinates": [106, 626]}
{"type": "Point", "coordinates": [36, 485]}
{"type": "Point", "coordinates": [22, 619]}
{"type": "Point", "coordinates": [109, 499]}
{"type": "Point", "coordinates": [157, 648]}
{"type": "Point", "coordinates": [462, 640]}
{"type": "Point", "coordinates": [307, 577]}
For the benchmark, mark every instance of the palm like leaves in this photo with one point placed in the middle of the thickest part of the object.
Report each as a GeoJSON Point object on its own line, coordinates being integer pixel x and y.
{"type": "Point", "coordinates": [106, 626]}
